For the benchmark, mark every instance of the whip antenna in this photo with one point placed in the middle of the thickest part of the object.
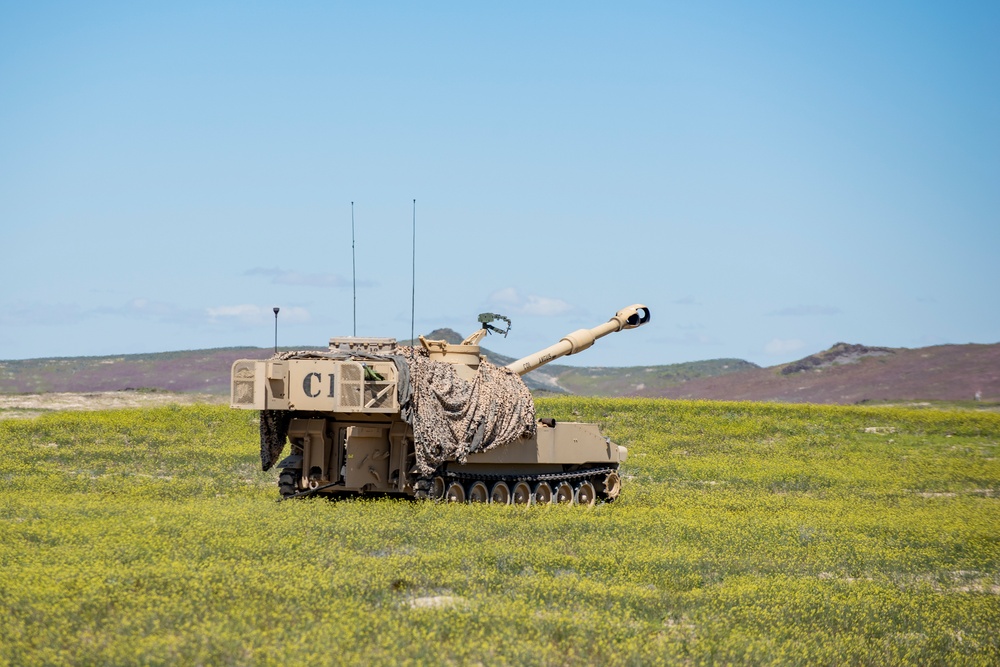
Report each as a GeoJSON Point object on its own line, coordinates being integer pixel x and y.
{"type": "Point", "coordinates": [354, 273]}
{"type": "Point", "coordinates": [413, 277]}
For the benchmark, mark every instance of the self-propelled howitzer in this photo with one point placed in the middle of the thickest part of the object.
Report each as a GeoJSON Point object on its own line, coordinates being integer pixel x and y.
{"type": "Point", "coordinates": [368, 416]}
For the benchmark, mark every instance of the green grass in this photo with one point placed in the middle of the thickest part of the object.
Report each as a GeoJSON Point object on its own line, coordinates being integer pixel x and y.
{"type": "Point", "coordinates": [981, 406]}
{"type": "Point", "coordinates": [593, 381]}
{"type": "Point", "coordinates": [745, 533]}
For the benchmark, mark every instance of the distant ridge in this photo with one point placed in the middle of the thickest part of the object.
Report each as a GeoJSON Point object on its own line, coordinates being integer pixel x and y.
{"type": "Point", "coordinates": [207, 371]}
{"type": "Point", "coordinates": [847, 374]}
{"type": "Point", "coordinates": [202, 371]}
{"type": "Point", "coordinates": [843, 374]}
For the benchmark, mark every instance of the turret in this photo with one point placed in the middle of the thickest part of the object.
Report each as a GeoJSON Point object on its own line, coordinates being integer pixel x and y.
{"type": "Point", "coordinates": [466, 355]}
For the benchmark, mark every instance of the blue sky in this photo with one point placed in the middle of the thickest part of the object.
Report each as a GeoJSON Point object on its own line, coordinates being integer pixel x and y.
{"type": "Point", "coordinates": [769, 178]}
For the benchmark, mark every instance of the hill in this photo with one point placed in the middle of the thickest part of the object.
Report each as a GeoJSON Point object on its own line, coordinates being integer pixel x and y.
{"type": "Point", "coordinates": [207, 372]}
{"type": "Point", "coordinates": [632, 380]}
{"type": "Point", "coordinates": [843, 374]}
{"type": "Point", "coordinates": [203, 371]}
{"type": "Point", "coordinates": [847, 374]}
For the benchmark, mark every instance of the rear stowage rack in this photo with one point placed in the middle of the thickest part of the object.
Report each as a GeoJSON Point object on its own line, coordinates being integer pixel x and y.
{"type": "Point", "coordinates": [370, 345]}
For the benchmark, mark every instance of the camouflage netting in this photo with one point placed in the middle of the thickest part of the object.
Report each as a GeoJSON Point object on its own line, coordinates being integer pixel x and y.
{"type": "Point", "coordinates": [273, 432]}
{"type": "Point", "coordinates": [451, 417]}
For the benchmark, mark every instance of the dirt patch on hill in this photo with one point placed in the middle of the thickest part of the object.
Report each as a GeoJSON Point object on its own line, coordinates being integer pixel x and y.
{"type": "Point", "coordinates": [32, 405]}
{"type": "Point", "coordinates": [841, 353]}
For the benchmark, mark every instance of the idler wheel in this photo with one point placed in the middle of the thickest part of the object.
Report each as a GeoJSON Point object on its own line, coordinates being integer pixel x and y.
{"type": "Point", "coordinates": [500, 494]}
{"type": "Point", "coordinates": [586, 494]}
{"type": "Point", "coordinates": [543, 494]}
{"type": "Point", "coordinates": [455, 493]}
{"type": "Point", "coordinates": [612, 485]}
{"type": "Point", "coordinates": [522, 494]}
{"type": "Point", "coordinates": [478, 493]}
{"type": "Point", "coordinates": [438, 488]}
{"type": "Point", "coordinates": [564, 493]}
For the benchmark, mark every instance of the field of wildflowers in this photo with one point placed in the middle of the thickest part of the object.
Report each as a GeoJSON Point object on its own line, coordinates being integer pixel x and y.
{"type": "Point", "coordinates": [745, 533]}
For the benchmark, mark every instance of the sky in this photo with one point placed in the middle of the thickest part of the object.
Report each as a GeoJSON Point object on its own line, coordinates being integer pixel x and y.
{"type": "Point", "coordinates": [768, 178]}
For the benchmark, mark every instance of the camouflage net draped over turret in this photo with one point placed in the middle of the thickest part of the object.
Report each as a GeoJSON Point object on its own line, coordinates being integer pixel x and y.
{"type": "Point", "coordinates": [451, 417]}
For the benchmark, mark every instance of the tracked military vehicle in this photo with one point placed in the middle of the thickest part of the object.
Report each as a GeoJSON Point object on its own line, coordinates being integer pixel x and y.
{"type": "Point", "coordinates": [438, 420]}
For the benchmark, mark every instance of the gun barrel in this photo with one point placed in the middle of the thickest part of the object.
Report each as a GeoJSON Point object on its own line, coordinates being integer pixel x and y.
{"type": "Point", "coordinates": [627, 318]}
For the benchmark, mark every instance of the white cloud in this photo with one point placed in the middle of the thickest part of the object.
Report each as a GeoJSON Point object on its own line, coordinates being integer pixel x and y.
{"type": "Point", "coordinates": [253, 314]}
{"type": "Point", "coordinates": [532, 304]}
{"type": "Point", "coordinates": [506, 296]}
{"type": "Point", "coordinates": [779, 346]}
{"type": "Point", "coordinates": [545, 306]}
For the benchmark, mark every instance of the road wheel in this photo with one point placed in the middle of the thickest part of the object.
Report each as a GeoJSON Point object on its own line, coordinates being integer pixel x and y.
{"type": "Point", "coordinates": [438, 487]}
{"type": "Point", "coordinates": [543, 494]}
{"type": "Point", "coordinates": [478, 493]}
{"type": "Point", "coordinates": [522, 494]}
{"type": "Point", "coordinates": [500, 494]}
{"type": "Point", "coordinates": [455, 493]}
{"type": "Point", "coordinates": [586, 494]}
{"type": "Point", "coordinates": [564, 493]}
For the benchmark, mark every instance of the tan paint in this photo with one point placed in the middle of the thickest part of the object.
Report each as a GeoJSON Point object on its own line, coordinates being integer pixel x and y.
{"type": "Point", "coordinates": [350, 434]}
{"type": "Point", "coordinates": [627, 318]}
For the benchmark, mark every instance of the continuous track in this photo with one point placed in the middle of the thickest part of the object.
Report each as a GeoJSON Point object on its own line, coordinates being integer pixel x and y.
{"type": "Point", "coordinates": [583, 487]}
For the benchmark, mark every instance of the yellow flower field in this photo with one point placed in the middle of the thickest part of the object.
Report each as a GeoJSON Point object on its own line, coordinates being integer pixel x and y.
{"type": "Point", "coordinates": [745, 533]}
